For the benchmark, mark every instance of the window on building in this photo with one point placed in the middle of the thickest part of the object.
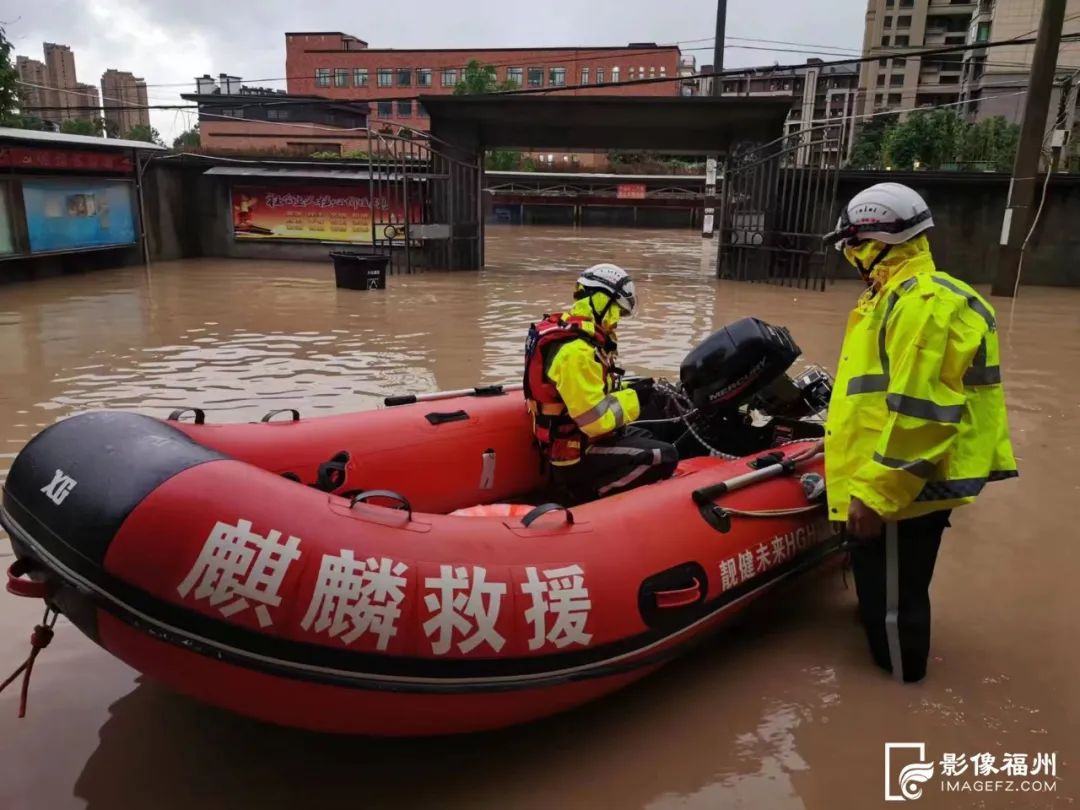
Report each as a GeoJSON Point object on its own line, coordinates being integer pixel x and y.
{"type": "Point", "coordinates": [359, 77]}
{"type": "Point", "coordinates": [404, 108]}
{"type": "Point", "coordinates": [515, 75]}
{"type": "Point", "coordinates": [277, 114]}
{"type": "Point", "coordinates": [894, 98]}
{"type": "Point", "coordinates": [885, 41]}
{"type": "Point", "coordinates": [404, 77]}
{"type": "Point", "coordinates": [322, 77]}
{"type": "Point", "coordinates": [881, 80]}
{"type": "Point", "coordinates": [652, 72]}
{"type": "Point", "coordinates": [949, 80]}
{"type": "Point", "coordinates": [879, 99]}
{"type": "Point", "coordinates": [599, 75]}
{"type": "Point", "coordinates": [903, 21]}
{"type": "Point", "coordinates": [384, 77]}
{"type": "Point", "coordinates": [901, 41]}
{"type": "Point", "coordinates": [584, 76]}
{"type": "Point", "coordinates": [983, 32]}
{"type": "Point", "coordinates": [882, 62]}
{"type": "Point", "coordinates": [890, 3]}
{"type": "Point", "coordinates": [449, 77]}
{"type": "Point", "coordinates": [907, 3]}
{"type": "Point", "coordinates": [896, 80]}
{"type": "Point", "coordinates": [536, 77]}
{"type": "Point", "coordinates": [899, 62]}
{"type": "Point", "coordinates": [663, 71]}
{"type": "Point", "coordinates": [386, 109]}
{"type": "Point", "coordinates": [557, 77]}
{"type": "Point", "coordinates": [615, 73]}
{"type": "Point", "coordinates": [423, 77]}
{"type": "Point", "coordinates": [230, 112]}
{"type": "Point", "coordinates": [888, 22]}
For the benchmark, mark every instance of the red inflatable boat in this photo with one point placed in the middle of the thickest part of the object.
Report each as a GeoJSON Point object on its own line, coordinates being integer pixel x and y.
{"type": "Point", "coordinates": [334, 573]}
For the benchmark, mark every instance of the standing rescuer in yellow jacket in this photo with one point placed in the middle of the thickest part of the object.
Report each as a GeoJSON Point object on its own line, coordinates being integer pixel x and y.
{"type": "Point", "coordinates": [580, 407]}
{"type": "Point", "coordinates": [917, 423]}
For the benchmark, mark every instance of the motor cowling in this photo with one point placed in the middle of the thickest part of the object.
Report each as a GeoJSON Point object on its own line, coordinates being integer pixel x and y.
{"type": "Point", "coordinates": [727, 369]}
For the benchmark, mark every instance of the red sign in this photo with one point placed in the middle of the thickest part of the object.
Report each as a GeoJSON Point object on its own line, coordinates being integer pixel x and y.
{"type": "Point", "coordinates": [79, 160]}
{"type": "Point", "coordinates": [631, 191]}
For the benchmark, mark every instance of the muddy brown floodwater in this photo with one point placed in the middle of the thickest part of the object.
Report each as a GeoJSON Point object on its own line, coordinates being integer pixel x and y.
{"type": "Point", "coordinates": [783, 711]}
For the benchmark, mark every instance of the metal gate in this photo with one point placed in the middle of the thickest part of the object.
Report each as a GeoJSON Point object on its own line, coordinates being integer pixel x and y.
{"type": "Point", "coordinates": [425, 204]}
{"type": "Point", "coordinates": [777, 201]}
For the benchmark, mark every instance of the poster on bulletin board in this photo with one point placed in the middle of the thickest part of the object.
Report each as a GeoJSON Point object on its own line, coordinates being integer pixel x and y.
{"type": "Point", "coordinates": [78, 214]}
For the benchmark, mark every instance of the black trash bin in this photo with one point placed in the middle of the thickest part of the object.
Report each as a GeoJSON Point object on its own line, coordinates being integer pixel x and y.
{"type": "Point", "coordinates": [359, 271]}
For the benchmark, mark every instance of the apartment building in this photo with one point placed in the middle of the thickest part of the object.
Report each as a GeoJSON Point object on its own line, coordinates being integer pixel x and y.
{"type": "Point", "coordinates": [823, 111]}
{"type": "Point", "coordinates": [51, 90]}
{"type": "Point", "coordinates": [994, 80]}
{"type": "Point", "coordinates": [893, 80]}
{"type": "Point", "coordinates": [125, 101]}
{"type": "Point", "coordinates": [234, 117]}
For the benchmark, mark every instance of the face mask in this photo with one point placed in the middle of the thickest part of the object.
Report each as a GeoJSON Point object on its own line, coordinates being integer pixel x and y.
{"type": "Point", "coordinates": [864, 256]}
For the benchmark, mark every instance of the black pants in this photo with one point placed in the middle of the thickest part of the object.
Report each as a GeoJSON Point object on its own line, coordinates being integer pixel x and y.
{"type": "Point", "coordinates": [917, 547]}
{"type": "Point", "coordinates": [631, 460]}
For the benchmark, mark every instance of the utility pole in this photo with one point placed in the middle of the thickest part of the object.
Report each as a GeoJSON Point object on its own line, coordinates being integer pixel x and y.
{"type": "Point", "coordinates": [718, 45]}
{"type": "Point", "coordinates": [708, 220]}
{"type": "Point", "coordinates": [1020, 209]}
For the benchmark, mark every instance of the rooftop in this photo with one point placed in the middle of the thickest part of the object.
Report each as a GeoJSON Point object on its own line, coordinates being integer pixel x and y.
{"type": "Point", "coordinates": [63, 139]}
{"type": "Point", "coordinates": [695, 124]}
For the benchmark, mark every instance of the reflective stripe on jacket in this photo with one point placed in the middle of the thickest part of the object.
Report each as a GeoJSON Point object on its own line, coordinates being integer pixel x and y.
{"type": "Point", "coordinates": [917, 420]}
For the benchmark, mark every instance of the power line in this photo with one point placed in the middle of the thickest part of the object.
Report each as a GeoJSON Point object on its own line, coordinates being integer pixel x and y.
{"type": "Point", "coordinates": [256, 101]}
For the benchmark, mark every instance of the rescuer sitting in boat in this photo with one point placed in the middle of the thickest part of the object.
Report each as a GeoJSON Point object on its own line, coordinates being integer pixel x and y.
{"type": "Point", "coordinates": [581, 409]}
{"type": "Point", "coordinates": [917, 422]}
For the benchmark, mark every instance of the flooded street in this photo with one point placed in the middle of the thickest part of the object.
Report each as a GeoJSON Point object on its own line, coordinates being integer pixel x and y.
{"type": "Point", "coordinates": [786, 710]}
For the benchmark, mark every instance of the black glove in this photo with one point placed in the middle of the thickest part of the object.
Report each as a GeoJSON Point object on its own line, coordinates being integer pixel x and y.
{"type": "Point", "coordinates": [644, 388]}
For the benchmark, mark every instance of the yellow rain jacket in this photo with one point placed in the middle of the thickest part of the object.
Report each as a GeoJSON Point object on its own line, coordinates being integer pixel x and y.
{"type": "Point", "coordinates": [917, 419]}
{"type": "Point", "coordinates": [582, 374]}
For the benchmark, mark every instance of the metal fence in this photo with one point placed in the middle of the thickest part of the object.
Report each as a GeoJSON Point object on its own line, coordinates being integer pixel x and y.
{"type": "Point", "coordinates": [425, 203]}
{"type": "Point", "coordinates": [777, 199]}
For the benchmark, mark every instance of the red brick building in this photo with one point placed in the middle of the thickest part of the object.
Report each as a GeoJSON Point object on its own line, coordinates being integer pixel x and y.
{"type": "Point", "coordinates": [337, 65]}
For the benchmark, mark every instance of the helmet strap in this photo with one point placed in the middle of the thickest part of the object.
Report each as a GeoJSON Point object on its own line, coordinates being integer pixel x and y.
{"type": "Point", "coordinates": [866, 271]}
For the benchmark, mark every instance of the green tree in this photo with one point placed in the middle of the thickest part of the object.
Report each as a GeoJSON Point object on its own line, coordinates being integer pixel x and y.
{"type": "Point", "coordinates": [866, 151]}
{"type": "Point", "coordinates": [10, 97]}
{"type": "Point", "coordinates": [505, 160]}
{"type": "Point", "coordinates": [990, 144]}
{"type": "Point", "coordinates": [83, 126]}
{"type": "Point", "coordinates": [930, 138]}
{"type": "Point", "coordinates": [189, 139]}
{"type": "Point", "coordinates": [140, 132]}
{"type": "Point", "coordinates": [481, 78]}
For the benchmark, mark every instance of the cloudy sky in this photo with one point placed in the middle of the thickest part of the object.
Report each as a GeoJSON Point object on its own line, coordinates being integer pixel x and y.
{"type": "Point", "coordinates": [168, 42]}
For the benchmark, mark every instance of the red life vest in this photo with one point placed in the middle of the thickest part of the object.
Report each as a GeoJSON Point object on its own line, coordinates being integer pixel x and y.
{"type": "Point", "coordinates": [561, 441]}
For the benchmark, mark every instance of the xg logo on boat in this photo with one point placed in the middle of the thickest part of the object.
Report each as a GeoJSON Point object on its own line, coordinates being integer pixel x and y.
{"type": "Point", "coordinates": [907, 772]}
{"type": "Point", "coordinates": [59, 488]}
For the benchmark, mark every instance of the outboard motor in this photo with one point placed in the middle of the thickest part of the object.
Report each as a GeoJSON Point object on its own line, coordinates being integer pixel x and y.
{"type": "Point", "coordinates": [744, 399]}
{"type": "Point", "coordinates": [740, 360]}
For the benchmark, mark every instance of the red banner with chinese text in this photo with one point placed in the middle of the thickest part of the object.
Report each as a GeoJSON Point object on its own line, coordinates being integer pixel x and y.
{"type": "Point", "coordinates": [321, 213]}
{"type": "Point", "coordinates": [30, 157]}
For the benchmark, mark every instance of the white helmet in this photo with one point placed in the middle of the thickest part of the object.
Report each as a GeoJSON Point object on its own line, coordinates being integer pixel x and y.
{"type": "Point", "coordinates": [613, 280]}
{"type": "Point", "coordinates": [888, 212]}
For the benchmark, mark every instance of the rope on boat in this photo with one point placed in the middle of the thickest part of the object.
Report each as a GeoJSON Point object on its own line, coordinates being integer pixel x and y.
{"type": "Point", "coordinates": [39, 640]}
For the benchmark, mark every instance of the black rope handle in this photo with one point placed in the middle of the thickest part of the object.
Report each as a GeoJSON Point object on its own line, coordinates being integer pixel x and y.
{"type": "Point", "coordinates": [360, 497]}
{"type": "Point", "coordinates": [543, 509]}
{"type": "Point", "coordinates": [200, 415]}
{"type": "Point", "coordinates": [271, 414]}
